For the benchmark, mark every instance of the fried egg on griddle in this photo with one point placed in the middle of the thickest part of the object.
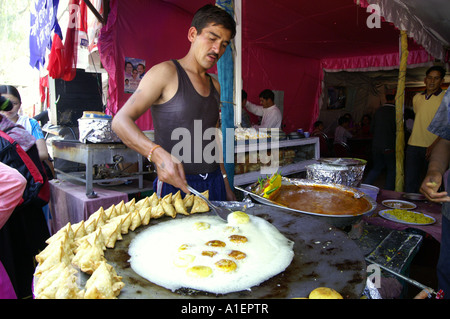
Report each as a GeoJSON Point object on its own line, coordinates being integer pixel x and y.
{"type": "Point", "coordinates": [206, 254]}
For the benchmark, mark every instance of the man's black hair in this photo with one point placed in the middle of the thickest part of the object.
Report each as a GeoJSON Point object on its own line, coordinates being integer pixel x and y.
{"type": "Point", "coordinates": [438, 68]}
{"type": "Point", "coordinates": [267, 94]}
{"type": "Point", "coordinates": [343, 119]}
{"type": "Point", "coordinates": [213, 14]}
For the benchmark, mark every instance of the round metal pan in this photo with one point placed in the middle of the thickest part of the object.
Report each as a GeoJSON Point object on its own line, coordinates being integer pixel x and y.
{"type": "Point", "coordinates": [340, 221]}
{"type": "Point", "coordinates": [324, 256]}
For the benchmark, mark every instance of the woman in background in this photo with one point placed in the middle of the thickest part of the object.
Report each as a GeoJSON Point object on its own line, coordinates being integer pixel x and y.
{"type": "Point", "coordinates": [33, 127]}
{"type": "Point", "coordinates": [28, 123]}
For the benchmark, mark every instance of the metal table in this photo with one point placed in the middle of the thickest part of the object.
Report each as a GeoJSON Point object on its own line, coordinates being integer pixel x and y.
{"type": "Point", "coordinates": [91, 154]}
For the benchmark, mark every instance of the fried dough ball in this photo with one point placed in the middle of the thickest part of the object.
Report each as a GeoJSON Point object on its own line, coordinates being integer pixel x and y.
{"type": "Point", "coordinates": [215, 243]}
{"type": "Point", "coordinates": [238, 217]}
{"type": "Point", "coordinates": [183, 260]}
{"type": "Point", "coordinates": [202, 226]}
{"type": "Point", "coordinates": [324, 293]}
{"type": "Point", "coordinates": [209, 253]}
{"type": "Point", "coordinates": [238, 239]}
{"type": "Point", "coordinates": [226, 265]}
{"type": "Point", "coordinates": [231, 229]}
{"type": "Point", "coordinates": [236, 254]}
{"type": "Point", "coordinates": [183, 247]}
{"type": "Point", "coordinates": [199, 271]}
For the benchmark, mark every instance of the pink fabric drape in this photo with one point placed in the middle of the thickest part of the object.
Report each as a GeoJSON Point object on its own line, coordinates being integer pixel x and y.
{"type": "Point", "coordinates": [154, 31]}
{"type": "Point", "coordinates": [300, 82]}
{"type": "Point", "coordinates": [379, 61]}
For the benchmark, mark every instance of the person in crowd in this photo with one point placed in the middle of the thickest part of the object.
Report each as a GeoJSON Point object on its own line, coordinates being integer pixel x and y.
{"type": "Point", "coordinates": [341, 135]}
{"type": "Point", "coordinates": [422, 141]}
{"type": "Point", "coordinates": [432, 183]}
{"type": "Point", "coordinates": [183, 98]}
{"type": "Point", "coordinates": [318, 131]}
{"type": "Point", "coordinates": [42, 117]}
{"type": "Point", "coordinates": [365, 126]}
{"type": "Point", "coordinates": [30, 124]}
{"type": "Point", "coordinates": [352, 127]}
{"type": "Point", "coordinates": [408, 118]}
{"type": "Point", "coordinates": [383, 129]}
{"type": "Point", "coordinates": [33, 127]}
{"type": "Point", "coordinates": [245, 122]}
{"type": "Point", "coordinates": [24, 234]}
{"type": "Point", "coordinates": [268, 110]}
{"type": "Point", "coordinates": [318, 128]}
{"type": "Point", "coordinates": [12, 185]}
{"type": "Point", "coordinates": [342, 131]}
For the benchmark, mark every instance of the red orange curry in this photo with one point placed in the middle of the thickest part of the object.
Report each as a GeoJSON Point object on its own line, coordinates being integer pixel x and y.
{"type": "Point", "coordinates": [321, 200]}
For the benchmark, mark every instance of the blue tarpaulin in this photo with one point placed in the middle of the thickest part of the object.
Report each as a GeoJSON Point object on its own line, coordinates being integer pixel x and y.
{"type": "Point", "coordinates": [225, 68]}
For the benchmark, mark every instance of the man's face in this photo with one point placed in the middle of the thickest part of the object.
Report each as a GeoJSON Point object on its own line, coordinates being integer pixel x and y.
{"type": "Point", "coordinates": [210, 44]}
{"type": "Point", "coordinates": [433, 81]}
{"type": "Point", "coordinates": [265, 102]}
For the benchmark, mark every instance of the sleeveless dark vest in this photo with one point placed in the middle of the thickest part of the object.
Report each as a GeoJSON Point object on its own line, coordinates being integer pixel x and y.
{"type": "Point", "coordinates": [181, 122]}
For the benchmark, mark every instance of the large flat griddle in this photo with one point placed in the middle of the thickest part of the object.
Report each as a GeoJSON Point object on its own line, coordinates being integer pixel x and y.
{"type": "Point", "coordinates": [324, 256]}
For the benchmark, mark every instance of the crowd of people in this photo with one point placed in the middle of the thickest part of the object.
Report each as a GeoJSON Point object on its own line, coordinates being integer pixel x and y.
{"type": "Point", "coordinates": [427, 152]}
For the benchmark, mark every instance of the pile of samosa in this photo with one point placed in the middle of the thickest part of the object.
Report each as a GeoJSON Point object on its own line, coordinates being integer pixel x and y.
{"type": "Point", "coordinates": [81, 246]}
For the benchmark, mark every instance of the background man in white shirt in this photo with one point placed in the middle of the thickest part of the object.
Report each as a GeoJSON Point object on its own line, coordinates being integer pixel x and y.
{"type": "Point", "coordinates": [271, 114]}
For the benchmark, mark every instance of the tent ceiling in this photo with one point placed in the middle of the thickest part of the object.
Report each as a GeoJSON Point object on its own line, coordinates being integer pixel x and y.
{"type": "Point", "coordinates": [336, 29]}
{"type": "Point", "coordinates": [327, 28]}
{"type": "Point", "coordinates": [434, 16]}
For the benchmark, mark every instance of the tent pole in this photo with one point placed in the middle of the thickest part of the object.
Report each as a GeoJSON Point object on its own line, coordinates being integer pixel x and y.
{"type": "Point", "coordinates": [94, 11]}
{"type": "Point", "coordinates": [399, 110]}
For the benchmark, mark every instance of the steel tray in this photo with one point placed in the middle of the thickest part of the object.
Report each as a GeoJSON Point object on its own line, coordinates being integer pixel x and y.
{"type": "Point", "coordinates": [335, 220]}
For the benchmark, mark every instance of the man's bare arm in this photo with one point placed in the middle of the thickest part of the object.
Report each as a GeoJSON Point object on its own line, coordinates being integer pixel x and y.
{"type": "Point", "coordinates": [436, 169]}
{"type": "Point", "coordinates": [152, 89]}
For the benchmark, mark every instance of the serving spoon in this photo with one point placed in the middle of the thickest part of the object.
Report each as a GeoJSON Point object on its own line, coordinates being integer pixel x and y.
{"type": "Point", "coordinates": [221, 212]}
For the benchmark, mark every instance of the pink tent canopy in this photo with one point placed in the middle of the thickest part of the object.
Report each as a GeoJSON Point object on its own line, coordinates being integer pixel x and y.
{"type": "Point", "coordinates": [286, 46]}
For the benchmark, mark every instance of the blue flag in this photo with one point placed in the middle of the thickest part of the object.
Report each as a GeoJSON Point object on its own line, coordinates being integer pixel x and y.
{"type": "Point", "coordinates": [43, 21]}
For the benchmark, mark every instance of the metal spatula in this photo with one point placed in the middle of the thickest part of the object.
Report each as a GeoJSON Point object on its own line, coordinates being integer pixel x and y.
{"type": "Point", "coordinates": [222, 212]}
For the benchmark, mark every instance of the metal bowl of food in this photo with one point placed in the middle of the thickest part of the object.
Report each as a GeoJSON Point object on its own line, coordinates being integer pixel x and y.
{"type": "Point", "coordinates": [337, 204]}
{"type": "Point", "coordinates": [345, 171]}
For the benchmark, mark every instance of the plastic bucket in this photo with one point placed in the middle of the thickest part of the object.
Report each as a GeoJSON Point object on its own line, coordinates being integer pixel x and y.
{"type": "Point", "coordinates": [369, 190]}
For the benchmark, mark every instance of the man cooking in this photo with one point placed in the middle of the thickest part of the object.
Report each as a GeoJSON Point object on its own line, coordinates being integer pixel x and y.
{"type": "Point", "coordinates": [183, 97]}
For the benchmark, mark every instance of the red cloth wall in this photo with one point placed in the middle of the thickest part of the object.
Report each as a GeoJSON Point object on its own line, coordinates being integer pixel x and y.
{"type": "Point", "coordinates": [151, 30]}
{"type": "Point", "coordinates": [299, 78]}
{"type": "Point", "coordinates": [156, 31]}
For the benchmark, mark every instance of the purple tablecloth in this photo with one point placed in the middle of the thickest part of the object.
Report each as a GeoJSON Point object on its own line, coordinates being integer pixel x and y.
{"type": "Point", "coordinates": [68, 202]}
{"type": "Point", "coordinates": [426, 207]}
